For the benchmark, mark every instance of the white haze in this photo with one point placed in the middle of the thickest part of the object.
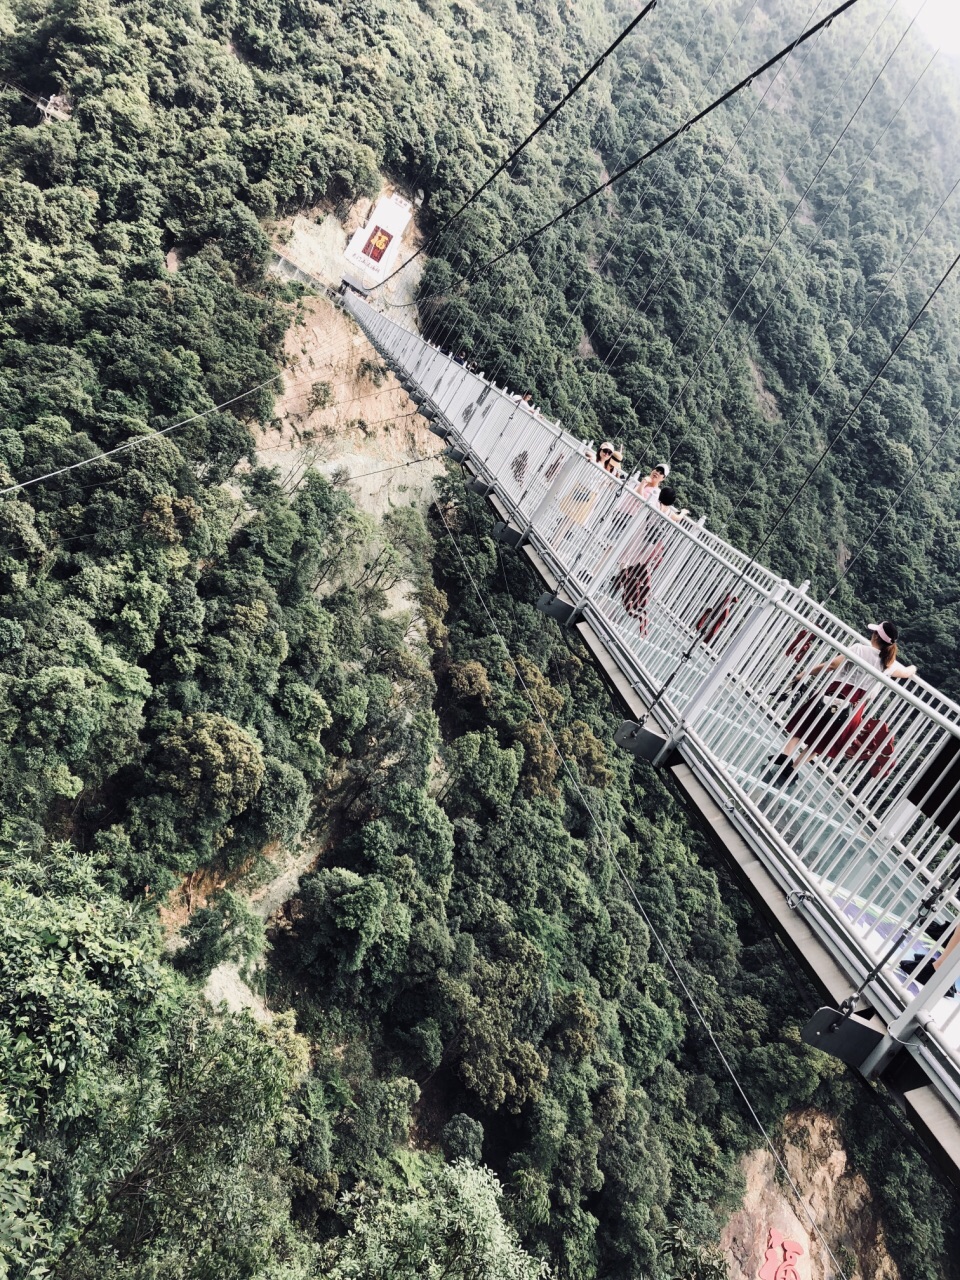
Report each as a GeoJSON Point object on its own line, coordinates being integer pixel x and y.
{"type": "Point", "coordinates": [939, 20]}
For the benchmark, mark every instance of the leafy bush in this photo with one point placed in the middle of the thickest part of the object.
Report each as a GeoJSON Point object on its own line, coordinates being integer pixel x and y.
{"type": "Point", "coordinates": [227, 930]}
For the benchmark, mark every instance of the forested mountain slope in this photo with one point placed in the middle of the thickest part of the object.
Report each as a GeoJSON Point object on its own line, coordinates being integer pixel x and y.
{"type": "Point", "coordinates": [750, 281]}
{"type": "Point", "coordinates": [195, 664]}
{"type": "Point", "coordinates": [741, 379]}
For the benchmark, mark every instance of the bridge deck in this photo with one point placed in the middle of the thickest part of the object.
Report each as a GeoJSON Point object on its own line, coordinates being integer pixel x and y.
{"type": "Point", "coordinates": [864, 835]}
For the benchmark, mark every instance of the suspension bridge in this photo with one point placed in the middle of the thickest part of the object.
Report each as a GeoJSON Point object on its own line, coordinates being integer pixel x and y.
{"type": "Point", "coordinates": [55, 107]}
{"type": "Point", "coordinates": [856, 860]}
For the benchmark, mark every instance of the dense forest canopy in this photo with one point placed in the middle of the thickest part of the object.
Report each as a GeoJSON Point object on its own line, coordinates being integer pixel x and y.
{"type": "Point", "coordinates": [196, 665]}
{"type": "Point", "coordinates": [738, 292]}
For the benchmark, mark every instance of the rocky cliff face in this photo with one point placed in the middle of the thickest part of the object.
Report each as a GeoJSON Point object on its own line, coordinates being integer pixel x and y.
{"type": "Point", "coordinates": [759, 1238]}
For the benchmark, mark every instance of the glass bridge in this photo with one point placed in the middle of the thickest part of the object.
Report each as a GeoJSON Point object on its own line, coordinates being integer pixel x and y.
{"type": "Point", "coordinates": [860, 845]}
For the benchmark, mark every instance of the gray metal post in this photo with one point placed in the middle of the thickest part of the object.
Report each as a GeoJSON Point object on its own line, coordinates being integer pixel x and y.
{"type": "Point", "coordinates": [744, 641]}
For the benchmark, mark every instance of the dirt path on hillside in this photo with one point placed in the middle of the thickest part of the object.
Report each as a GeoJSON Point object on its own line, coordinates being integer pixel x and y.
{"type": "Point", "coordinates": [369, 428]}
{"type": "Point", "coordinates": [225, 985]}
{"type": "Point", "coordinates": [341, 410]}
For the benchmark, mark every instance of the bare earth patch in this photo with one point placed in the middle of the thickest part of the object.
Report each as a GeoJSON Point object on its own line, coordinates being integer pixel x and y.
{"type": "Point", "coordinates": [368, 425]}
{"type": "Point", "coordinates": [225, 986]}
{"type": "Point", "coordinates": [765, 397]}
{"type": "Point", "coordinates": [835, 1196]}
{"type": "Point", "coordinates": [340, 411]}
{"type": "Point", "coordinates": [315, 242]}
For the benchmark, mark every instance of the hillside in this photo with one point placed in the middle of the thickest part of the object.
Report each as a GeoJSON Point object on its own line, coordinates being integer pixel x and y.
{"type": "Point", "coordinates": [213, 648]}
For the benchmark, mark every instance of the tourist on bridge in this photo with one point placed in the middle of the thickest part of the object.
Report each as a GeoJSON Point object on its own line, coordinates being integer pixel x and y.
{"type": "Point", "coordinates": [666, 504]}
{"type": "Point", "coordinates": [826, 721]}
{"type": "Point", "coordinates": [612, 464]}
{"type": "Point", "coordinates": [639, 493]}
{"type": "Point", "coordinates": [632, 500]}
{"type": "Point", "coordinates": [649, 488]}
{"type": "Point", "coordinates": [579, 499]}
{"type": "Point", "coordinates": [923, 967]}
{"type": "Point", "coordinates": [642, 555]}
{"type": "Point", "coordinates": [526, 399]}
{"type": "Point", "coordinates": [603, 454]}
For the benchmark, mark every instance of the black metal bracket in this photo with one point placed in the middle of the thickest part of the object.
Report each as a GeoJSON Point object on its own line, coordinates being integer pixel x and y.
{"type": "Point", "coordinates": [509, 537]}
{"type": "Point", "coordinates": [849, 1038]}
{"type": "Point", "coordinates": [481, 486]}
{"type": "Point", "coordinates": [554, 607]}
{"type": "Point", "coordinates": [640, 742]}
{"type": "Point", "coordinates": [440, 430]}
{"type": "Point", "coordinates": [455, 454]}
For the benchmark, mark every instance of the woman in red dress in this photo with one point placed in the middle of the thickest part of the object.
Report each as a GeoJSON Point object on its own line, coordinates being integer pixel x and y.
{"type": "Point", "coordinates": [827, 720]}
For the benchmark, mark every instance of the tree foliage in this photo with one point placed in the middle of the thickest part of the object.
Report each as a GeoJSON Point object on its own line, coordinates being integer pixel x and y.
{"type": "Point", "coordinates": [451, 1226]}
{"type": "Point", "coordinates": [196, 665]}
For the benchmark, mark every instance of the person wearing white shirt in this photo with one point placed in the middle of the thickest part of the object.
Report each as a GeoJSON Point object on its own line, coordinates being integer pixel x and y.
{"type": "Point", "coordinates": [649, 488]}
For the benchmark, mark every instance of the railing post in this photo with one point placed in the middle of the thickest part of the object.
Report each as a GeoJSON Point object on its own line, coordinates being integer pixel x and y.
{"type": "Point", "coordinates": [917, 1012]}
{"type": "Point", "coordinates": [915, 1017]}
{"type": "Point", "coordinates": [746, 639]}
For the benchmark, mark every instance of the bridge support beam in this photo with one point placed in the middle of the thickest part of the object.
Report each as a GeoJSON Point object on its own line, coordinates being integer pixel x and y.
{"type": "Point", "coordinates": [561, 611]}
{"type": "Point", "coordinates": [508, 537]}
{"type": "Point", "coordinates": [642, 743]}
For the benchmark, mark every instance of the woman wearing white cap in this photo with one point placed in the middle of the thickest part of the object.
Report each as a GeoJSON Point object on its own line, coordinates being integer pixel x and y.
{"type": "Point", "coordinates": [649, 489]}
{"type": "Point", "coordinates": [827, 720]}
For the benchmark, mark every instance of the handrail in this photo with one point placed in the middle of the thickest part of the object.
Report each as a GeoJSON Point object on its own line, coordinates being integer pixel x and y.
{"type": "Point", "coordinates": [703, 538]}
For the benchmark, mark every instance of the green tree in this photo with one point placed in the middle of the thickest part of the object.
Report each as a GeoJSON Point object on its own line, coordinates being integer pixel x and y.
{"type": "Point", "coordinates": [227, 930]}
{"type": "Point", "coordinates": [451, 1227]}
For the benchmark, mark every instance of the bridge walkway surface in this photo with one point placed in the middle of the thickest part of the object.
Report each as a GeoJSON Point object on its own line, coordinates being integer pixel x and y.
{"type": "Point", "coordinates": [856, 858]}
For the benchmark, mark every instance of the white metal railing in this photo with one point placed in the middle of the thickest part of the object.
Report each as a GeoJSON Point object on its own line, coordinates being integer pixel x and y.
{"type": "Point", "coordinates": [716, 641]}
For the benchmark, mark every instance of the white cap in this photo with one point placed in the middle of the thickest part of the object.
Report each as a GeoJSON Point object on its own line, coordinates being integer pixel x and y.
{"type": "Point", "coordinates": [881, 629]}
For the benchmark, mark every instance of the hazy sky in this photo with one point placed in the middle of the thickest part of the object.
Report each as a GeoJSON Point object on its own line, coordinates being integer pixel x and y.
{"type": "Point", "coordinates": [940, 23]}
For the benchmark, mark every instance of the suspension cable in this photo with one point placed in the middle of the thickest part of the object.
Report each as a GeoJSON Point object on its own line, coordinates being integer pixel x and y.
{"type": "Point", "coordinates": [788, 507]}
{"type": "Point", "coordinates": [648, 7]}
{"type": "Point", "coordinates": [447, 324]}
{"type": "Point", "coordinates": [138, 440]}
{"type": "Point", "coordinates": [635, 164]}
{"type": "Point", "coordinates": [788, 221]}
{"type": "Point", "coordinates": [892, 507]}
{"type": "Point", "coordinates": [659, 279]}
{"type": "Point", "coordinates": [866, 391]}
{"type": "Point", "coordinates": [572, 313]}
{"type": "Point", "coordinates": [771, 454]}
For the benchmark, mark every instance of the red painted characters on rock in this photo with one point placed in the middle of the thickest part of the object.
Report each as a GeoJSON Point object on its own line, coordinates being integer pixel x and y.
{"type": "Point", "coordinates": [377, 243]}
{"type": "Point", "coordinates": [781, 1258]}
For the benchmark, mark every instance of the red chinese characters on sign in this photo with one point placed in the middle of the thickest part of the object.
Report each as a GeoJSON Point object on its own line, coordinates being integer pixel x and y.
{"type": "Point", "coordinates": [781, 1258]}
{"type": "Point", "coordinates": [377, 243]}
